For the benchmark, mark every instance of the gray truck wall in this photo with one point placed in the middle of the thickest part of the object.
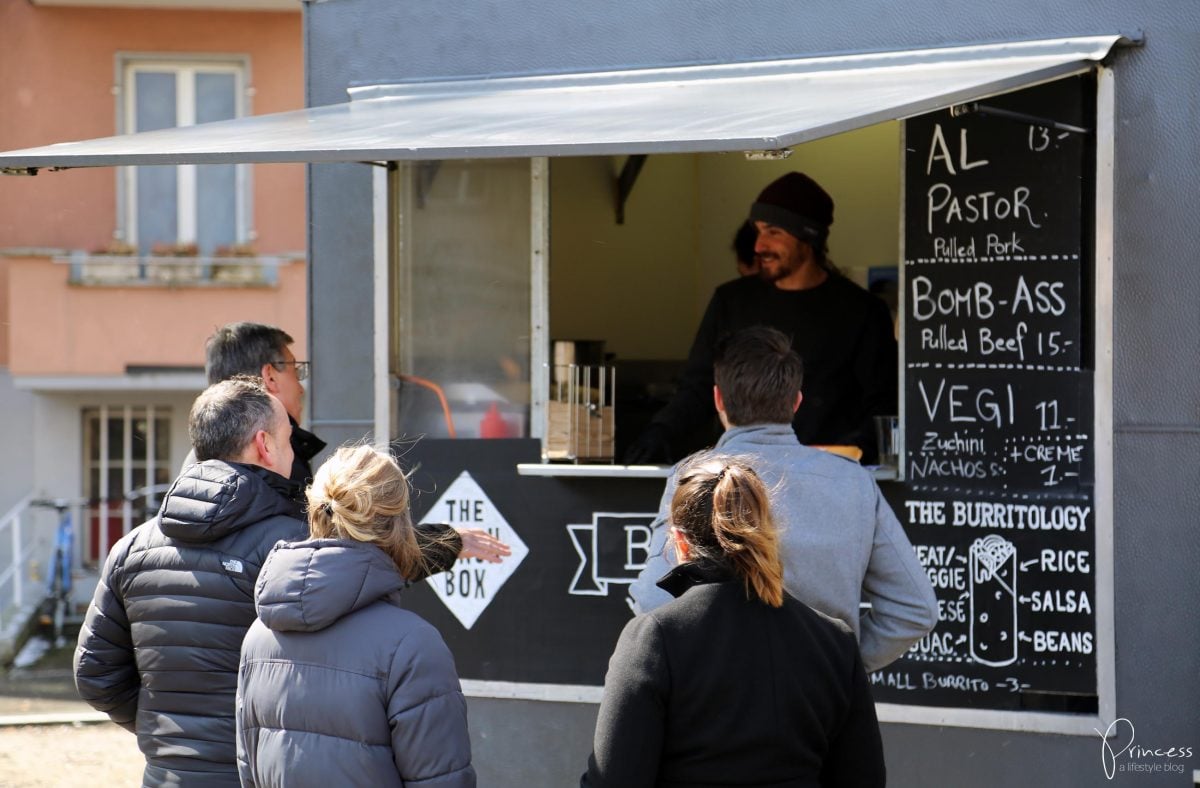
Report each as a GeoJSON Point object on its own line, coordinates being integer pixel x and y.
{"type": "Point", "coordinates": [1156, 292]}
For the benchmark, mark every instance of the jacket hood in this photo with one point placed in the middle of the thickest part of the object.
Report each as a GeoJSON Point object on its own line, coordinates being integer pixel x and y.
{"type": "Point", "coordinates": [308, 586]}
{"type": "Point", "coordinates": [212, 499]}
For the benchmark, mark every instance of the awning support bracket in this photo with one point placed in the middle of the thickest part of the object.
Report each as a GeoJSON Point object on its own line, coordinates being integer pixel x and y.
{"type": "Point", "coordinates": [626, 180]}
{"type": "Point", "coordinates": [426, 173]}
{"type": "Point", "coordinates": [974, 108]}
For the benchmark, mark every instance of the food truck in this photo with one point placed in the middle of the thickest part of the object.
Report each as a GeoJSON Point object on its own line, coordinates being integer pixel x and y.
{"type": "Point", "coordinates": [518, 216]}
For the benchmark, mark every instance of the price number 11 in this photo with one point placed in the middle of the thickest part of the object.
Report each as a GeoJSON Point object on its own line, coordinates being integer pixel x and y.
{"type": "Point", "coordinates": [1048, 413]}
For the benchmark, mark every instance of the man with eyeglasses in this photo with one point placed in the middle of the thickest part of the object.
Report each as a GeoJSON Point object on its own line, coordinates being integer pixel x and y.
{"type": "Point", "coordinates": [263, 351]}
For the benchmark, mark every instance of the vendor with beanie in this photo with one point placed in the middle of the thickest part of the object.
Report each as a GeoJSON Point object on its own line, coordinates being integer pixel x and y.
{"type": "Point", "coordinates": [843, 334]}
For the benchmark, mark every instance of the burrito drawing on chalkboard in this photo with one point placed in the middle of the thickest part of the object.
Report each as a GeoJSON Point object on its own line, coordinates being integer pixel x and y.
{"type": "Point", "coordinates": [993, 572]}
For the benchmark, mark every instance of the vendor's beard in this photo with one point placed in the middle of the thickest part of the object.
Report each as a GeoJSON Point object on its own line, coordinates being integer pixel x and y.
{"type": "Point", "coordinates": [779, 270]}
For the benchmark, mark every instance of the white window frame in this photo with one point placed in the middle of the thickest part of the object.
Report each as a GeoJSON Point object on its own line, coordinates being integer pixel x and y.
{"type": "Point", "coordinates": [185, 69]}
{"type": "Point", "coordinates": [95, 458]}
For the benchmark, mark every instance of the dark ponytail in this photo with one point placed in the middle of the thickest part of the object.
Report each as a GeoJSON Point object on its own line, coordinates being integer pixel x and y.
{"type": "Point", "coordinates": [722, 511]}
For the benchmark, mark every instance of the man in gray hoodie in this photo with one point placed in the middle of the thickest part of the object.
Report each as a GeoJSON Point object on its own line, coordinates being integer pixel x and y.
{"type": "Point", "coordinates": [841, 543]}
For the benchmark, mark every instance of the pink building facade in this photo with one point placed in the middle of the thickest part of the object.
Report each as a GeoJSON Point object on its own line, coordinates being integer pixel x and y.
{"type": "Point", "coordinates": [112, 279]}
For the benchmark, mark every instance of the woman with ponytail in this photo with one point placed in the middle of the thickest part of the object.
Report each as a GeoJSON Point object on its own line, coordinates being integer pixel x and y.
{"type": "Point", "coordinates": [338, 684]}
{"type": "Point", "coordinates": [734, 683]}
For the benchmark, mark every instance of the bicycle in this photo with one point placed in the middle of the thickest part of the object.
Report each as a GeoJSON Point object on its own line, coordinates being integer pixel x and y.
{"type": "Point", "coordinates": [55, 608]}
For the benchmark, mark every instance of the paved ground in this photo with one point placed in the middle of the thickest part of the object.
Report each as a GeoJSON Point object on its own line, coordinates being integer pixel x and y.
{"type": "Point", "coordinates": [43, 756]}
{"type": "Point", "coordinates": [68, 755]}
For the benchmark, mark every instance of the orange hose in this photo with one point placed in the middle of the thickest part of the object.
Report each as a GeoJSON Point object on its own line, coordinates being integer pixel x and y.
{"type": "Point", "coordinates": [436, 389]}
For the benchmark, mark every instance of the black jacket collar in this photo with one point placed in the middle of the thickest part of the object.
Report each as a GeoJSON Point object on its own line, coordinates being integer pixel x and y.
{"type": "Point", "coordinates": [695, 573]}
{"type": "Point", "coordinates": [304, 443]}
{"type": "Point", "coordinates": [305, 446]}
{"type": "Point", "coordinates": [286, 488]}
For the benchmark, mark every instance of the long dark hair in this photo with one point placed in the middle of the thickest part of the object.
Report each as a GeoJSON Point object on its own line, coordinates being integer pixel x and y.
{"type": "Point", "coordinates": [721, 509]}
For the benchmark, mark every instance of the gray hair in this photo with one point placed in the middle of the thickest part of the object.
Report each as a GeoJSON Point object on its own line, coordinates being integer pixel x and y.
{"type": "Point", "coordinates": [226, 417]}
{"type": "Point", "coordinates": [243, 349]}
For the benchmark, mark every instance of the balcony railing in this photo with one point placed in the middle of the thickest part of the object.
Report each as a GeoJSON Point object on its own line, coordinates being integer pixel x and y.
{"type": "Point", "coordinates": [173, 271]}
{"type": "Point", "coordinates": [19, 547]}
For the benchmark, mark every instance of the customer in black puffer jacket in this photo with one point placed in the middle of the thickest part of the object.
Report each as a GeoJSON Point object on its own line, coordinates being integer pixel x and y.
{"type": "Point", "coordinates": [340, 686]}
{"type": "Point", "coordinates": [159, 648]}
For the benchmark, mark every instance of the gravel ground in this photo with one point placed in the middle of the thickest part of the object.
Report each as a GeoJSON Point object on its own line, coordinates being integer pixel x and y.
{"type": "Point", "coordinates": [95, 755]}
{"type": "Point", "coordinates": [69, 756]}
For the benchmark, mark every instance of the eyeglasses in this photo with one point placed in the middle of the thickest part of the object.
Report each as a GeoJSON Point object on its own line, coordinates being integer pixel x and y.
{"type": "Point", "coordinates": [302, 367]}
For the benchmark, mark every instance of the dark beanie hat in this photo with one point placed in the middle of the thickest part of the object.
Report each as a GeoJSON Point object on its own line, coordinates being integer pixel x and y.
{"type": "Point", "coordinates": [796, 203]}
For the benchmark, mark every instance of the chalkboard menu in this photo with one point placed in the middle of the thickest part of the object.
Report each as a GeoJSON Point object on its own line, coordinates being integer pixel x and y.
{"type": "Point", "coordinates": [998, 459]}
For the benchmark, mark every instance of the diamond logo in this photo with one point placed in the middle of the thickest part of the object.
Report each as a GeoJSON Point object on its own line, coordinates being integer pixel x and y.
{"type": "Point", "coordinates": [471, 584]}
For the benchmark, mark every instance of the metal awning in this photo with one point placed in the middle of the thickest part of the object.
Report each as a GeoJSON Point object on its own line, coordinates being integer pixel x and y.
{"type": "Point", "coordinates": [742, 106]}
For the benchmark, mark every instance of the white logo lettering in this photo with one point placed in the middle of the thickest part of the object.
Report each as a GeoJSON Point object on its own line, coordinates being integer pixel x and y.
{"type": "Point", "coordinates": [471, 584]}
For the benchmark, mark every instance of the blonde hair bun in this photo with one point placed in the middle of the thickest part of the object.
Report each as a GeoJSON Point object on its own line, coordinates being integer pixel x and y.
{"type": "Point", "coordinates": [361, 494]}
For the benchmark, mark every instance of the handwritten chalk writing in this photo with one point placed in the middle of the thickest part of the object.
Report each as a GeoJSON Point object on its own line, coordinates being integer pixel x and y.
{"type": "Point", "coordinates": [955, 682]}
{"type": "Point", "coordinates": [943, 203]}
{"type": "Point", "coordinates": [953, 611]}
{"type": "Point", "coordinates": [950, 577]}
{"type": "Point", "coordinates": [939, 151]}
{"type": "Point", "coordinates": [893, 679]}
{"type": "Point", "coordinates": [937, 643]}
{"type": "Point", "coordinates": [1038, 452]}
{"type": "Point", "coordinates": [995, 247]}
{"type": "Point", "coordinates": [972, 301]}
{"type": "Point", "coordinates": [954, 467]}
{"type": "Point", "coordinates": [1062, 642]}
{"type": "Point", "coordinates": [998, 391]}
{"type": "Point", "coordinates": [934, 554]}
{"type": "Point", "coordinates": [943, 341]}
{"type": "Point", "coordinates": [1046, 298]}
{"type": "Point", "coordinates": [989, 406]}
{"type": "Point", "coordinates": [1034, 517]}
{"type": "Point", "coordinates": [926, 512]}
{"type": "Point", "coordinates": [1060, 601]}
{"type": "Point", "coordinates": [1014, 344]}
{"type": "Point", "coordinates": [934, 441]}
{"type": "Point", "coordinates": [1048, 413]}
{"type": "Point", "coordinates": [950, 248]}
{"type": "Point", "coordinates": [1053, 345]}
{"type": "Point", "coordinates": [1039, 138]}
{"type": "Point", "coordinates": [1069, 561]}
{"type": "Point", "coordinates": [977, 300]}
{"type": "Point", "coordinates": [1012, 684]}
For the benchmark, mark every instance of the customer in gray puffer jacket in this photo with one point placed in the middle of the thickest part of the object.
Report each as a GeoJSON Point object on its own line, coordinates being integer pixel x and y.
{"type": "Point", "coordinates": [340, 686]}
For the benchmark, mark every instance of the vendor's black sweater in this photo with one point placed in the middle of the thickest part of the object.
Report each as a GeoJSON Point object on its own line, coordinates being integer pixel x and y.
{"type": "Point", "coordinates": [844, 336]}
